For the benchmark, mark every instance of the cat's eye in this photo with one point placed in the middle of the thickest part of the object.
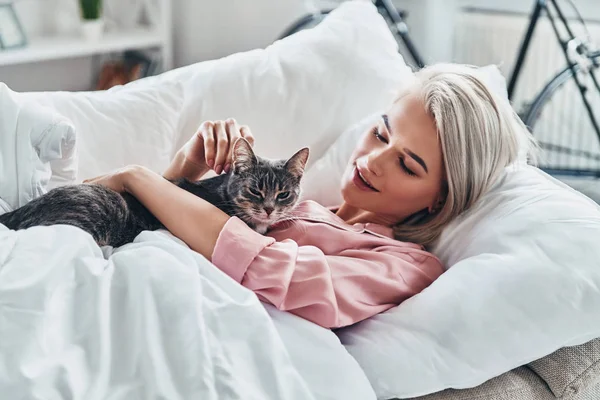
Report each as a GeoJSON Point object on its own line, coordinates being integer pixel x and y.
{"type": "Point", "coordinates": [283, 195]}
{"type": "Point", "coordinates": [255, 192]}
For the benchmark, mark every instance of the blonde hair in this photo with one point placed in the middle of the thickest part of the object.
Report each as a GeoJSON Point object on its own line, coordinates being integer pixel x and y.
{"type": "Point", "coordinates": [480, 134]}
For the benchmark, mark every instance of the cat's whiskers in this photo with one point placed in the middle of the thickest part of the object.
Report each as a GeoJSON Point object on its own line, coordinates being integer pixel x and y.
{"type": "Point", "coordinates": [291, 219]}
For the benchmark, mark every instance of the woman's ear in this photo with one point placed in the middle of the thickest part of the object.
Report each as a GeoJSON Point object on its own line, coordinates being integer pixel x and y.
{"type": "Point", "coordinates": [437, 206]}
{"type": "Point", "coordinates": [441, 200]}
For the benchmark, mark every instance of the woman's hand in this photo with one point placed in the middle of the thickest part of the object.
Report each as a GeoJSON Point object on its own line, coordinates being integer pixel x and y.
{"type": "Point", "coordinates": [213, 143]}
{"type": "Point", "coordinates": [116, 180]}
{"type": "Point", "coordinates": [211, 147]}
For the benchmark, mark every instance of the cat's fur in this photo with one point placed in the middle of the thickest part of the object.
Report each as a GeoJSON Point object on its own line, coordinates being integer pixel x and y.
{"type": "Point", "coordinates": [254, 186]}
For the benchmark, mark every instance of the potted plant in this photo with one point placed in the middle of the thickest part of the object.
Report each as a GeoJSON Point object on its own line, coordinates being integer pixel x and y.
{"type": "Point", "coordinates": [91, 15]}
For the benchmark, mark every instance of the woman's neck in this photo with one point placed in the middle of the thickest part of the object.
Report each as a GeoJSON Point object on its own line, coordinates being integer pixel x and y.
{"type": "Point", "coordinates": [352, 215]}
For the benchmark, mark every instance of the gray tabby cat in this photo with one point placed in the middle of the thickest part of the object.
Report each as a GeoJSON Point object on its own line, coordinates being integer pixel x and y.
{"type": "Point", "coordinates": [257, 190]}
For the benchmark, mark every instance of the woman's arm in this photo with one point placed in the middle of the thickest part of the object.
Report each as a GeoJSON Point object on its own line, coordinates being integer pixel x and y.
{"type": "Point", "coordinates": [190, 218]}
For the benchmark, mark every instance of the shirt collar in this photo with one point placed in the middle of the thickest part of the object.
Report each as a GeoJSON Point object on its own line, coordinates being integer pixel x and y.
{"type": "Point", "coordinates": [312, 211]}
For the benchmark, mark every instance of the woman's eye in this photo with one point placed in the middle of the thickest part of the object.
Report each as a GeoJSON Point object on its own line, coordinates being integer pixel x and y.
{"type": "Point", "coordinates": [378, 135]}
{"type": "Point", "coordinates": [406, 169]}
{"type": "Point", "coordinates": [255, 192]}
{"type": "Point", "coordinates": [283, 195]}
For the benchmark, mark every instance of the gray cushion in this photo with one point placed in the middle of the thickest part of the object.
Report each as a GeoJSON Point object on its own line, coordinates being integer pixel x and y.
{"type": "Point", "coordinates": [570, 370]}
{"type": "Point", "coordinates": [518, 384]}
{"type": "Point", "coordinates": [570, 373]}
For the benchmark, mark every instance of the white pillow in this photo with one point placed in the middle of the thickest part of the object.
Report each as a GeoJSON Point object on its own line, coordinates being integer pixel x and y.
{"type": "Point", "coordinates": [35, 144]}
{"type": "Point", "coordinates": [121, 126]}
{"type": "Point", "coordinates": [524, 281]}
{"type": "Point", "coordinates": [304, 90]}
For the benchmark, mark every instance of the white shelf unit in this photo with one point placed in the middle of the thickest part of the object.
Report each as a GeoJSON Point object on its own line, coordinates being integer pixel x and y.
{"type": "Point", "coordinates": [46, 48]}
{"type": "Point", "coordinates": [55, 48]}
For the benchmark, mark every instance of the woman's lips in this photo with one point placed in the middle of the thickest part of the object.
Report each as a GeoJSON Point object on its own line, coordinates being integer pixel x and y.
{"type": "Point", "coordinates": [361, 183]}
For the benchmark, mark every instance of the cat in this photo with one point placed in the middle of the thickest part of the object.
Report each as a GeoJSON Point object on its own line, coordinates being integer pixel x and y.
{"type": "Point", "coordinates": [259, 191]}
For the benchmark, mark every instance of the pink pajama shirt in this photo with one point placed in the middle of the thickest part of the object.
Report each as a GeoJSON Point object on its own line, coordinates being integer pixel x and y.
{"type": "Point", "coordinates": [322, 269]}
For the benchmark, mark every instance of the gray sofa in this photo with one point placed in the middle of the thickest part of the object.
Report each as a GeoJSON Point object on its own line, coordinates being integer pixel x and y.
{"type": "Point", "coordinates": [571, 373]}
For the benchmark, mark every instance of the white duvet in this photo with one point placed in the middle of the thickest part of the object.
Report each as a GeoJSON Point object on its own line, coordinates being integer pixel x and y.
{"type": "Point", "coordinates": [149, 320]}
{"type": "Point", "coordinates": [154, 320]}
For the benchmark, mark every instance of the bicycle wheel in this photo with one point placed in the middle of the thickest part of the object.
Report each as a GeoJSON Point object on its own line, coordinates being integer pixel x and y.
{"type": "Point", "coordinates": [561, 124]}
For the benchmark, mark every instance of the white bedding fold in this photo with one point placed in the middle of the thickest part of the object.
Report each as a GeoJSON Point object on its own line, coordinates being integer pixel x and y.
{"type": "Point", "coordinates": [155, 320]}
{"type": "Point", "coordinates": [34, 142]}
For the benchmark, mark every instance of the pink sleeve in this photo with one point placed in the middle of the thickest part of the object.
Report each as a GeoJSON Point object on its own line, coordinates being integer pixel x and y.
{"type": "Point", "coordinates": [329, 290]}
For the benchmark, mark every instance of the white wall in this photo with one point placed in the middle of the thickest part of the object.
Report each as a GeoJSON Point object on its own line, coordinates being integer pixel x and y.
{"type": "Point", "coordinates": [208, 29]}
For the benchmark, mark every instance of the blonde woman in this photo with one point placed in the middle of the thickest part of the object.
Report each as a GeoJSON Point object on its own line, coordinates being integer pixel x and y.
{"type": "Point", "coordinates": [429, 158]}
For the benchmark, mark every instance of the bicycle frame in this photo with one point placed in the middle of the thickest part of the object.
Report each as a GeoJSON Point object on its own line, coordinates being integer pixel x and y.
{"type": "Point", "coordinates": [544, 5]}
{"type": "Point", "coordinates": [401, 29]}
{"type": "Point", "coordinates": [388, 11]}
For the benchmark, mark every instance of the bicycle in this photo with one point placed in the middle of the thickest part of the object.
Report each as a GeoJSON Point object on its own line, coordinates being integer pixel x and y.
{"type": "Point", "coordinates": [583, 60]}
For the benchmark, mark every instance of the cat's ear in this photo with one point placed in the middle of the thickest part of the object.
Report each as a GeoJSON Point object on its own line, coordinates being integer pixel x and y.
{"type": "Point", "coordinates": [295, 165]}
{"type": "Point", "coordinates": [243, 156]}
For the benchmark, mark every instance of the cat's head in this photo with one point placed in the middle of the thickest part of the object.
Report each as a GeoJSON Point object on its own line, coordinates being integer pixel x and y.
{"type": "Point", "coordinates": [264, 190]}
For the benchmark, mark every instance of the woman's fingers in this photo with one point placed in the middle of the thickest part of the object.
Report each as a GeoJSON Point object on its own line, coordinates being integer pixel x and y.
{"type": "Point", "coordinates": [247, 134]}
{"type": "Point", "coordinates": [218, 139]}
{"type": "Point", "coordinates": [207, 132]}
{"type": "Point", "coordinates": [113, 180]}
{"type": "Point", "coordinates": [222, 146]}
{"type": "Point", "coordinates": [233, 131]}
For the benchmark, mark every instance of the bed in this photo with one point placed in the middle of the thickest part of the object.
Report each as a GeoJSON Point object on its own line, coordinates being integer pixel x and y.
{"type": "Point", "coordinates": [153, 319]}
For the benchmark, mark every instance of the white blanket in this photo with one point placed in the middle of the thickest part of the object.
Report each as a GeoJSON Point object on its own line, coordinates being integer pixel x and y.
{"type": "Point", "coordinates": [154, 320]}
{"type": "Point", "coordinates": [34, 143]}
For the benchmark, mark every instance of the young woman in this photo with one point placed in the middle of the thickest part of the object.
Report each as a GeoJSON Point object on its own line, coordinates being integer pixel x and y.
{"type": "Point", "coordinates": [430, 157]}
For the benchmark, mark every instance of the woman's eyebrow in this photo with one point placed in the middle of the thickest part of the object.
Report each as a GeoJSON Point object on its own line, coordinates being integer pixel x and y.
{"type": "Point", "coordinates": [417, 159]}
{"type": "Point", "coordinates": [386, 122]}
{"type": "Point", "coordinates": [410, 153]}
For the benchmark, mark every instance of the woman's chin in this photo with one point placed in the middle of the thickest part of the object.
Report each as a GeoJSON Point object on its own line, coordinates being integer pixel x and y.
{"type": "Point", "coordinates": [350, 194]}
{"type": "Point", "coordinates": [346, 191]}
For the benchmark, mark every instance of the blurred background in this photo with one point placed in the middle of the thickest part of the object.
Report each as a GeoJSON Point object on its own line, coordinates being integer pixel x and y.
{"type": "Point", "coordinates": [188, 31]}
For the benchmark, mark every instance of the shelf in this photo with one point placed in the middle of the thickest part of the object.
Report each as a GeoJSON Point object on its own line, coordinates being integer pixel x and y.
{"type": "Point", "coordinates": [61, 47]}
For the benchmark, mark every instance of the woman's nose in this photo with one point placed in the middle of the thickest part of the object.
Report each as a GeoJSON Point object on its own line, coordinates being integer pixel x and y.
{"type": "Point", "coordinates": [374, 163]}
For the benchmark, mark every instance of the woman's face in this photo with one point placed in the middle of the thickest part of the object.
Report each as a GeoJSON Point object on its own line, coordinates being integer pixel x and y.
{"type": "Point", "coordinates": [396, 169]}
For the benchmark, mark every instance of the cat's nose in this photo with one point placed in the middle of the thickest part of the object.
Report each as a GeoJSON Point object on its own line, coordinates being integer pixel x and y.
{"type": "Point", "coordinates": [269, 210]}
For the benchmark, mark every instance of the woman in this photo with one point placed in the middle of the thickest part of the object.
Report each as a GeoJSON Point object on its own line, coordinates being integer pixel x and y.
{"type": "Point", "coordinates": [428, 159]}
